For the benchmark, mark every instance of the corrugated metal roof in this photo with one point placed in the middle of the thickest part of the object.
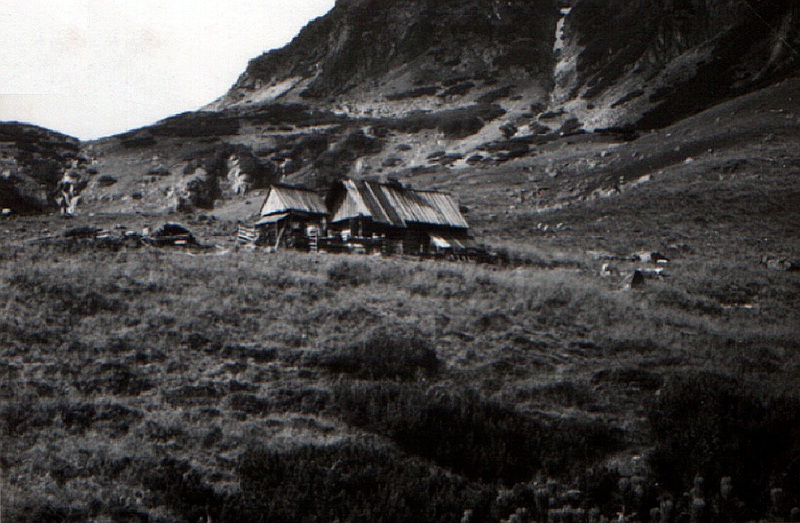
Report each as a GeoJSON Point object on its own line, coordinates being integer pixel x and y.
{"type": "Point", "coordinates": [398, 206]}
{"type": "Point", "coordinates": [283, 199]}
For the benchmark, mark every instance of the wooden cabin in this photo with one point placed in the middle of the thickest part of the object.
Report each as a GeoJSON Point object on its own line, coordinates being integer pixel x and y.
{"type": "Point", "coordinates": [367, 216]}
{"type": "Point", "coordinates": [292, 217]}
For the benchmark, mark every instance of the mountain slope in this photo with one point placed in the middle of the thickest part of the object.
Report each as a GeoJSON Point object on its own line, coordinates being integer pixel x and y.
{"type": "Point", "coordinates": [645, 63]}
{"type": "Point", "coordinates": [651, 63]}
{"type": "Point", "coordinates": [416, 87]}
{"type": "Point", "coordinates": [379, 50]}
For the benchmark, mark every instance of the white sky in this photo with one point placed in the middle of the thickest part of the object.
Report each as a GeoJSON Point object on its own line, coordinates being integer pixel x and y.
{"type": "Point", "coordinates": [92, 68]}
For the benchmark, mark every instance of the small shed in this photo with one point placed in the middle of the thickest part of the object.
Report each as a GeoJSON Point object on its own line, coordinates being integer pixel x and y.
{"type": "Point", "coordinates": [292, 217]}
{"type": "Point", "coordinates": [399, 219]}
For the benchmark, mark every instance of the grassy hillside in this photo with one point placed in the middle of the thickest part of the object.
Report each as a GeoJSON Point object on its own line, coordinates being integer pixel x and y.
{"type": "Point", "coordinates": [156, 385]}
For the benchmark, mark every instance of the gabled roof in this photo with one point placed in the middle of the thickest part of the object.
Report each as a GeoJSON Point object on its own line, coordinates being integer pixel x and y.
{"type": "Point", "coordinates": [392, 204]}
{"type": "Point", "coordinates": [283, 199]}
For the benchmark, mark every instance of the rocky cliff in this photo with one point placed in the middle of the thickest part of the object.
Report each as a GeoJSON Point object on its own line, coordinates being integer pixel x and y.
{"type": "Point", "coordinates": [433, 51]}
{"type": "Point", "coordinates": [650, 63]}
{"type": "Point", "coordinates": [606, 63]}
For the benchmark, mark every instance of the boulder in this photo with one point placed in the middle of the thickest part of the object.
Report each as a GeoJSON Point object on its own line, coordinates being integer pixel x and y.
{"type": "Point", "coordinates": [635, 280]}
{"type": "Point", "coordinates": [608, 270]}
{"type": "Point", "coordinates": [776, 263]}
{"type": "Point", "coordinates": [650, 257]}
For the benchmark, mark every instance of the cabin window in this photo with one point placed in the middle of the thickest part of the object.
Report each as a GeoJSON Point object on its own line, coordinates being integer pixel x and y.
{"type": "Point", "coordinates": [346, 234]}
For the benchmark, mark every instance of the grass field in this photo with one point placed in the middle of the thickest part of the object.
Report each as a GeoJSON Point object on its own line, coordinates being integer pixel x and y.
{"type": "Point", "coordinates": [172, 385]}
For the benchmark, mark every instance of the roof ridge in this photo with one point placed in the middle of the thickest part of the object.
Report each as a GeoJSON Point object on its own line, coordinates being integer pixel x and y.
{"type": "Point", "coordinates": [292, 187]}
{"type": "Point", "coordinates": [401, 187]}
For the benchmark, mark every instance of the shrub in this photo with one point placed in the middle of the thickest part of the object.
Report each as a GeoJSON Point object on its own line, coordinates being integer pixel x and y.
{"type": "Point", "coordinates": [385, 352]}
{"type": "Point", "coordinates": [630, 376]}
{"type": "Point", "coordinates": [352, 482]}
{"type": "Point", "coordinates": [458, 90]}
{"type": "Point", "coordinates": [106, 181]}
{"type": "Point", "coordinates": [48, 513]}
{"type": "Point", "coordinates": [454, 123]}
{"type": "Point", "coordinates": [479, 439]}
{"type": "Point", "coordinates": [24, 414]}
{"type": "Point", "coordinates": [203, 190]}
{"type": "Point", "coordinates": [182, 489]}
{"type": "Point", "coordinates": [565, 393]}
{"type": "Point", "coordinates": [349, 273]}
{"type": "Point", "coordinates": [509, 130]}
{"type": "Point", "coordinates": [714, 425]}
{"type": "Point", "coordinates": [306, 400]}
{"type": "Point", "coordinates": [414, 93]}
{"type": "Point", "coordinates": [158, 170]}
{"type": "Point", "coordinates": [113, 378]}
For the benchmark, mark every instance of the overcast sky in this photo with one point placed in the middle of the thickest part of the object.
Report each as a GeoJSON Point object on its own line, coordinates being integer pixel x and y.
{"type": "Point", "coordinates": [92, 68]}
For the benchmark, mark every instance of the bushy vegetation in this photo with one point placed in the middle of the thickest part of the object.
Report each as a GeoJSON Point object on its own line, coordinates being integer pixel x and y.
{"type": "Point", "coordinates": [334, 164]}
{"type": "Point", "coordinates": [453, 123]}
{"type": "Point", "coordinates": [714, 426]}
{"type": "Point", "coordinates": [352, 482]}
{"type": "Point", "coordinates": [476, 438]}
{"type": "Point", "coordinates": [196, 125]}
{"type": "Point", "coordinates": [393, 351]}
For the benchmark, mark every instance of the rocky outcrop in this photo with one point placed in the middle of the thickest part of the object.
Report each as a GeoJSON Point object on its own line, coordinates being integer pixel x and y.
{"type": "Point", "coordinates": [32, 163]}
{"type": "Point", "coordinates": [648, 64]}
{"type": "Point", "coordinates": [379, 49]}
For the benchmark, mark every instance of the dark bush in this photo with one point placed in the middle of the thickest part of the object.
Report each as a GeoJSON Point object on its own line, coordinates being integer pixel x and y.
{"type": "Point", "coordinates": [565, 393]}
{"type": "Point", "coordinates": [334, 164]}
{"type": "Point", "coordinates": [197, 124]}
{"type": "Point", "coordinates": [715, 426]}
{"type": "Point", "coordinates": [118, 379]}
{"type": "Point", "coordinates": [176, 485]}
{"type": "Point", "coordinates": [630, 376]}
{"type": "Point", "coordinates": [414, 93]}
{"type": "Point", "coordinates": [495, 95]}
{"type": "Point", "coordinates": [351, 482]}
{"type": "Point", "coordinates": [306, 400]}
{"type": "Point", "coordinates": [457, 90]}
{"type": "Point", "coordinates": [24, 414]}
{"type": "Point", "coordinates": [349, 273]}
{"type": "Point", "coordinates": [454, 123]}
{"type": "Point", "coordinates": [78, 416]}
{"type": "Point", "coordinates": [509, 130]}
{"type": "Point", "coordinates": [136, 139]}
{"type": "Point", "coordinates": [479, 439]}
{"type": "Point", "coordinates": [191, 394]}
{"type": "Point", "coordinates": [300, 115]}
{"type": "Point", "coordinates": [158, 170]}
{"type": "Point", "coordinates": [106, 181]}
{"type": "Point", "coordinates": [385, 352]}
{"type": "Point", "coordinates": [48, 513]}
{"type": "Point", "coordinates": [203, 190]}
